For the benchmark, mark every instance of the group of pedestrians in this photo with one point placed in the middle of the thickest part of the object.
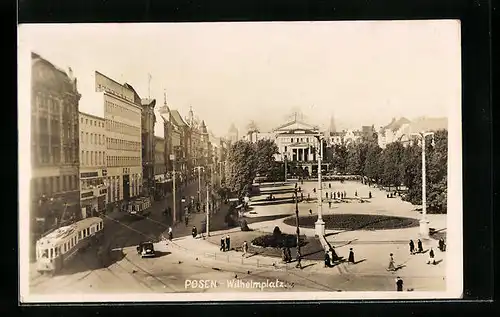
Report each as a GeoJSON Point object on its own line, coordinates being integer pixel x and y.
{"type": "Point", "coordinates": [225, 243]}
{"type": "Point", "coordinates": [420, 249]}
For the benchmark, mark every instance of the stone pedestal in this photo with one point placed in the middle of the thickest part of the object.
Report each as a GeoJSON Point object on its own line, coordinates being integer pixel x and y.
{"type": "Point", "coordinates": [424, 229]}
{"type": "Point", "coordinates": [319, 227]}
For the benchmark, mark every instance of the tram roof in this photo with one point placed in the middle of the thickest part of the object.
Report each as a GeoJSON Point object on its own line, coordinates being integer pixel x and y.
{"type": "Point", "coordinates": [63, 232]}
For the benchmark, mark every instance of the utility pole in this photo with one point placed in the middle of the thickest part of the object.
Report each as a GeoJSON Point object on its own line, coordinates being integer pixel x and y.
{"type": "Point", "coordinates": [208, 212]}
{"type": "Point", "coordinates": [174, 201]}
{"type": "Point", "coordinates": [286, 169]}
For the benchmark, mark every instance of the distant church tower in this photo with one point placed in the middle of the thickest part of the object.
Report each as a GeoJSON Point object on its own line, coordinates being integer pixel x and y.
{"type": "Point", "coordinates": [233, 134]}
{"type": "Point", "coordinates": [332, 128]}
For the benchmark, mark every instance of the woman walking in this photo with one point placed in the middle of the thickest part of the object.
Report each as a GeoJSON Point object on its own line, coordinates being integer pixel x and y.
{"type": "Point", "coordinates": [391, 266]}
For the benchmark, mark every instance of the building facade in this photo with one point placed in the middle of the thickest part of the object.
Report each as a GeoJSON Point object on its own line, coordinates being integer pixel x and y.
{"type": "Point", "coordinates": [93, 190]}
{"type": "Point", "coordinates": [122, 117]}
{"type": "Point", "coordinates": [160, 168]}
{"type": "Point", "coordinates": [298, 144]}
{"type": "Point", "coordinates": [55, 194]}
{"type": "Point", "coordinates": [148, 120]}
{"type": "Point", "coordinates": [232, 135]}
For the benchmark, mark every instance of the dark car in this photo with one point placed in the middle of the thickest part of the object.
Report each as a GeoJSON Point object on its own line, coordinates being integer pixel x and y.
{"type": "Point", "coordinates": [146, 249]}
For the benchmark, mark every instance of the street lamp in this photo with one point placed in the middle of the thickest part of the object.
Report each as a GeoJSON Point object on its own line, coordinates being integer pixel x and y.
{"type": "Point", "coordinates": [286, 169]}
{"type": "Point", "coordinates": [174, 201]}
{"type": "Point", "coordinates": [199, 168]}
{"type": "Point", "coordinates": [424, 222]}
{"type": "Point", "coordinates": [320, 224]}
{"type": "Point", "coordinates": [299, 254]}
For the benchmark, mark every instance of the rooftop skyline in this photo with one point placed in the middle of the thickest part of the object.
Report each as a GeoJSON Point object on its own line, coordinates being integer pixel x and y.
{"type": "Point", "coordinates": [363, 73]}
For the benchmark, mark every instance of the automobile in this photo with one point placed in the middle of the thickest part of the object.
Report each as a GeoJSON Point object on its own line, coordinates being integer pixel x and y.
{"type": "Point", "coordinates": [146, 249]}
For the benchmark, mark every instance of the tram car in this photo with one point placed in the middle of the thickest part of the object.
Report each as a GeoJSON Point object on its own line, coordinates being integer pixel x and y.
{"type": "Point", "coordinates": [56, 249]}
{"type": "Point", "coordinates": [139, 207]}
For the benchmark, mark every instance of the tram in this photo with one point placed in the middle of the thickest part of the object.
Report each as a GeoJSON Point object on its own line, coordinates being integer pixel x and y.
{"type": "Point", "coordinates": [139, 207]}
{"type": "Point", "coordinates": [57, 248]}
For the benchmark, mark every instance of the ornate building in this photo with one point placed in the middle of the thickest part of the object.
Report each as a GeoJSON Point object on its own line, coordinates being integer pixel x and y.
{"type": "Point", "coordinates": [148, 120]}
{"type": "Point", "coordinates": [232, 135]}
{"type": "Point", "coordinates": [55, 193]}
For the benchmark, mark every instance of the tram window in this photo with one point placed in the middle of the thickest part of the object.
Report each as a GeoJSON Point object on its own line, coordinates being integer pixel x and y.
{"type": "Point", "coordinates": [79, 235]}
{"type": "Point", "coordinates": [45, 253]}
{"type": "Point", "coordinates": [51, 253]}
{"type": "Point", "coordinates": [56, 253]}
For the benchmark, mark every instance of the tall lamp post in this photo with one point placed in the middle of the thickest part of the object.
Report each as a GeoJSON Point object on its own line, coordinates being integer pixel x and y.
{"type": "Point", "coordinates": [199, 168]}
{"type": "Point", "coordinates": [320, 224]}
{"type": "Point", "coordinates": [299, 254]}
{"type": "Point", "coordinates": [174, 201]}
{"type": "Point", "coordinates": [424, 222]}
{"type": "Point", "coordinates": [286, 169]}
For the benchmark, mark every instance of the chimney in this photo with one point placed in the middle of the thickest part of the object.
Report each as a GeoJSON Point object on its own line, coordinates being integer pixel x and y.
{"type": "Point", "coordinates": [70, 73]}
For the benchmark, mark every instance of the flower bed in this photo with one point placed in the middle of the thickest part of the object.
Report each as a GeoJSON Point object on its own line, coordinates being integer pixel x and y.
{"type": "Point", "coordinates": [356, 222]}
{"type": "Point", "coordinates": [278, 241]}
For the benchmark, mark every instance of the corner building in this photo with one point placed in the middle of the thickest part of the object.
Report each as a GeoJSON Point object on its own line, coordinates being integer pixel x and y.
{"type": "Point", "coordinates": [55, 195]}
{"type": "Point", "coordinates": [123, 139]}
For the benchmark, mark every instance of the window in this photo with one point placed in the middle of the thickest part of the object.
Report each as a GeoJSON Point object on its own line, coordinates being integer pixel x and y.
{"type": "Point", "coordinates": [91, 159]}
{"type": "Point", "coordinates": [86, 137]}
{"type": "Point", "coordinates": [79, 235]}
{"type": "Point", "coordinates": [86, 121]}
{"type": "Point", "coordinates": [56, 151]}
{"type": "Point", "coordinates": [81, 120]}
{"type": "Point", "coordinates": [87, 157]}
{"type": "Point", "coordinates": [81, 137]}
{"type": "Point", "coordinates": [51, 253]}
{"type": "Point", "coordinates": [56, 184]}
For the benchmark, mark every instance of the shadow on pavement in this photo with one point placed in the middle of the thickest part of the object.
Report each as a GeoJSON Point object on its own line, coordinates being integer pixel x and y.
{"type": "Point", "coordinates": [274, 202]}
{"type": "Point", "coordinates": [360, 261]}
{"type": "Point", "coordinates": [89, 261]}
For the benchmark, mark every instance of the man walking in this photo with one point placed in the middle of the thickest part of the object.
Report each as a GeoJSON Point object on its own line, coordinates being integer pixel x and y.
{"type": "Point", "coordinates": [431, 257]}
{"type": "Point", "coordinates": [412, 247]}
{"type": "Point", "coordinates": [228, 243]}
{"type": "Point", "coordinates": [245, 248]}
{"type": "Point", "coordinates": [392, 266]}
{"type": "Point", "coordinates": [420, 246]}
{"type": "Point", "coordinates": [222, 244]}
{"type": "Point", "coordinates": [399, 284]}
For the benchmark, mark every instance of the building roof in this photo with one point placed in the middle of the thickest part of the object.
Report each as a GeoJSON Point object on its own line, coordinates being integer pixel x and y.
{"type": "Point", "coordinates": [306, 131]}
{"type": "Point", "coordinates": [177, 119]}
{"type": "Point", "coordinates": [91, 115]}
{"type": "Point", "coordinates": [396, 124]}
{"type": "Point", "coordinates": [296, 125]}
{"type": "Point", "coordinates": [147, 101]}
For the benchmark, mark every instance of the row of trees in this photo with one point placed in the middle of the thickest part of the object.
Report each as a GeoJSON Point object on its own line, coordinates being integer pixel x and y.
{"type": "Point", "coordinates": [246, 160]}
{"type": "Point", "coordinates": [398, 165]}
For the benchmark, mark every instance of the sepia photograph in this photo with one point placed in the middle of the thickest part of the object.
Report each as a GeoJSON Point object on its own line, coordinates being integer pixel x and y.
{"type": "Point", "coordinates": [240, 161]}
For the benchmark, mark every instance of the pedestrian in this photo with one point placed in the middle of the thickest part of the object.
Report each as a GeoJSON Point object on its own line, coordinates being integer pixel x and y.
{"type": "Point", "coordinates": [326, 194]}
{"type": "Point", "coordinates": [412, 247]}
{"type": "Point", "coordinates": [314, 190]}
{"type": "Point", "coordinates": [334, 195]}
{"type": "Point", "coordinates": [351, 256]}
{"type": "Point", "coordinates": [228, 243]}
{"type": "Point", "coordinates": [420, 247]}
{"type": "Point", "coordinates": [369, 194]}
{"type": "Point", "coordinates": [194, 232]}
{"type": "Point", "coordinates": [310, 212]}
{"type": "Point", "coordinates": [338, 193]}
{"type": "Point", "coordinates": [356, 193]}
{"type": "Point", "coordinates": [345, 194]}
{"type": "Point", "coordinates": [299, 258]}
{"type": "Point", "coordinates": [301, 196]}
{"type": "Point", "coordinates": [284, 256]}
{"type": "Point", "coordinates": [329, 185]}
{"type": "Point", "coordinates": [170, 234]}
{"type": "Point", "coordinates": [399, 284]}
{"type": "Point", "coordinates": [222, 244]}
{"type": "Point", "coordinates": [431, 257]}
{"type": "Point", "coordinates": [186, 220]}
{"type": "Point", "coordinates": [330, 204]}
{"type": "Point", "coordinates": [327, 259]}
{"type": "Point", "coordinates": [288, 254]}
{"type": "Point", "coordinates": [245, 248]}
{"type": "Point", "coordinates": [391, 266]}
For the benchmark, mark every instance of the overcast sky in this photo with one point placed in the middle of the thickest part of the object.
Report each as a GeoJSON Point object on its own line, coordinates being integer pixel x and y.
{"type": "Point", "coordinates": [362, 73]}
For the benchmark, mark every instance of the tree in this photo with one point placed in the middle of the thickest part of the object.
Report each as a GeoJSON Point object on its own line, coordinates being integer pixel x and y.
{"type": "Point", "coordinates": [392, 165]}
{"type": "Point", "coordinates": [372, 162]}
{"type": "Point", "coordinates": [265, 151]}
{"type": "Point", "coordinates": [437, 172]}
{"type": "Point", "coordinates": [339, 158]}
{"type": "Point", "coordinates": [241, 168]}
{"type": "Point", "coordinates": [356, 157]}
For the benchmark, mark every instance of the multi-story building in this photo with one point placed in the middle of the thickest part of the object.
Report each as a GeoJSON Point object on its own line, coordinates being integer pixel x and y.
{"type": "Point", "coordinates": [160, 168]}
{"type": "Point", "coordinates": [298, 143]}
{"type": "Point", "coordinates": [93, 190]}
{"type": "Point", "coordinates": [123, 139]}
{"type": "Point", "coordinates": [148, 143]}
{"type": "Point", "coordinates": [55, 195]}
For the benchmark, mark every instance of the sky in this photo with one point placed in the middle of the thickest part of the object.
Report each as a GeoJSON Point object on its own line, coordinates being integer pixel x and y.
{"type": "Point", "coordinates": [361, 73]}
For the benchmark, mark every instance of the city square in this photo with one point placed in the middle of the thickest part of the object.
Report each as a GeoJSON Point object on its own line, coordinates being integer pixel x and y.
{"type": "Point", "coordinates": [166, 185]}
